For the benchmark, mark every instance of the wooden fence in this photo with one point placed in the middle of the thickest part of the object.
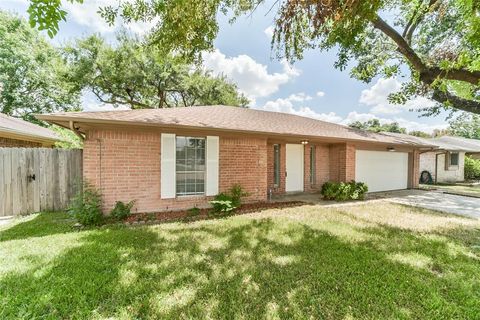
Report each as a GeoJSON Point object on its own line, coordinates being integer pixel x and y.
{"type": "Point", "coordinates": [38, 179]}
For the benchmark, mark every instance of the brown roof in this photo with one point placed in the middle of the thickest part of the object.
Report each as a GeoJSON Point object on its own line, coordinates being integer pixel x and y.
{"type": "Point", "coordinates": [228, 119]}
{"type": "Point", "coordinates": [23, 130]}
{"type": "Point", "coordinates": [458, 144]}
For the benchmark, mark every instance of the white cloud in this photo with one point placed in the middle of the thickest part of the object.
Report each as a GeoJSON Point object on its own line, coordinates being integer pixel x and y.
{"type": "Point", "coordinates": [376, 97]}
{"type": "Point", "coordinates": [252, 78]}
{"type": "Point", "coordinates": [269, 31]}
{"type": "Point", "coordinates": [91, 103]}
{"type": "Point", "coordinates": [287, 105]}
{"type": "Point", "coordinates": [320, 93]}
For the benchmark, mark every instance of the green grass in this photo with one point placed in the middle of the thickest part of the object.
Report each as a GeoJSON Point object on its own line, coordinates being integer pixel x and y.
{"type": "Point", "coordinates": [456, 189]}
{"type": "Point", "coordinates": [365, 261]}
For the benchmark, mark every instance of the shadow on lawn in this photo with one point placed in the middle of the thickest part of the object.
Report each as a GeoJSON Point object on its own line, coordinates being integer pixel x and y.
{"type": "Point", "coordinates": [43, 224]}
{"type": "Point", "coordinates": [247, 268]}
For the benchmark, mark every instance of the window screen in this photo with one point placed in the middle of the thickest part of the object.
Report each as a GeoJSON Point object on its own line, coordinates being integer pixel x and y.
{"type": "Point", "coordinates": [190, 166]}
{"type": "Point", "coordinates": [454, 159]}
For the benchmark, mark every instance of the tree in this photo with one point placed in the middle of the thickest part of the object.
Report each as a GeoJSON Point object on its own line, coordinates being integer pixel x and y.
{"type": "Point", "coordinates": [465, 125]}
{"type": "Point", "coordinates": [437, 40]}
{"type": "Point", "coordinates": [32, 73]}
{"type": "Point", "coordinates": [374, 125]}
{"type": "Point", "coordinates": [420, 134]}
{"type": "Point", "coordinates": [141, 76]}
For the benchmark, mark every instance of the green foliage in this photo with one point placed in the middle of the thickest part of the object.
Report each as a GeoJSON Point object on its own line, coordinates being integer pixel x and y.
{"type": "Point", "coordinates": [472, 168]}
{"type": "Point", "coordinates": [228, 202]}
{"type": "Point", "coordinates": [46, 15]}
{"type": "Point", "coordinates": [193, 212]}
{"type": "Point", "coordinates": [343, 191]}
{"type": "Point", "coordinates": [141, 76]}
{"type": "Point", "coordinates": [122, 210]}
{"type": "Point", "coordinates": [420, 134]}
{"type": "Point", "coordinates": [69, 139]}
{"type": "Point", "coordinates": [86, 206]}
{"type": "Point", "coordinates": [32, 73]}
{"type": "Point", "coordinates": [374, 125]}
{"type": "Point", "coordinates": [465, 125]}
{"type": "Point", "coordinates": [222, 204]}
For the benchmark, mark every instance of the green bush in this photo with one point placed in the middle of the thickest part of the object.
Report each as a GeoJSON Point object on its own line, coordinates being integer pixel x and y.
{"type": "Point", "coordinates": [343, 191]}
{"type": "Point", "coordinates": [228, 202]}
{"type": "Point", "coordinates": [192, 212]}
{"type": "Point", "coordinates": [472, 169]}
{"type": "Point", "coordinates": [222, 203]}
{"type": "Point", "coordinates": [122, 210]}
{"type": "Point", "coordinates": [86, 206]}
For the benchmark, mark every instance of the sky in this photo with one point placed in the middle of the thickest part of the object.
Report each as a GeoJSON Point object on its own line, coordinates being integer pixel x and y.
{"type": "Point", "coordinates": [311, 87]}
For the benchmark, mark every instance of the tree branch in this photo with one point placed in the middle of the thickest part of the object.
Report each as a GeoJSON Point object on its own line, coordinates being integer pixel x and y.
{"type": "Point", "coordinates": [456, 102]}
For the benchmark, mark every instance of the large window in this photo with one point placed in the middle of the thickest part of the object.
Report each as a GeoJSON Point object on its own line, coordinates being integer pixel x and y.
{"type": "Point", "coordinates": [312, 165]}
{"type": "Point", "coordinates": [276, 165]}
{"type": "Point", "coordinates": [190, 166]}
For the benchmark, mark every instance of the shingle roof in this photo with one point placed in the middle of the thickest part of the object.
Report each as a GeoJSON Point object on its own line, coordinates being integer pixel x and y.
{"type": "Point", "coordinates": [229, 119]}
{"type": "Point", "coordinates": [25, 130]}
{"type": "Point", "coordinates": [458, 144]}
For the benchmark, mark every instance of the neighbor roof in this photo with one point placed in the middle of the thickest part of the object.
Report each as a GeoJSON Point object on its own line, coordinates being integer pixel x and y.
{"type": "Point", "coordinates": [458, 144]}
{"type": "Point", "coordinates": [14, 128]}
{"type": "Point", "coordinates": [226, 118]}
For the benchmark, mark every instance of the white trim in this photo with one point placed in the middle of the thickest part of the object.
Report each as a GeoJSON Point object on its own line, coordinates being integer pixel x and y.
{"type": "Point", "coordinates": [212, 165]}
{"type": "Point", "coordinates": [167, 166]}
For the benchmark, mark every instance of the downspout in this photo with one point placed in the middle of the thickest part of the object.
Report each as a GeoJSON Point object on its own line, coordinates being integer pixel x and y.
{"type": "Point", "coordinates": [72, 127]}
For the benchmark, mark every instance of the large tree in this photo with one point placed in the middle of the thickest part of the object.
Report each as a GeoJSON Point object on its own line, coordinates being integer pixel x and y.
{"type": "Point", "coordinates": [140, 76]}
{"type": "Point", "coordinates": [437, 40]}
{"type": "Point", "coordinates": [32, 72]}
{"type": "Point", "coordinates": [465, 125]}
{"type": "Point", "coordinates": [374, 125]}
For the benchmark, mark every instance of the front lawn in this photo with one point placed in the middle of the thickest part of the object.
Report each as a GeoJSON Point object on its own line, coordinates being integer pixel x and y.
{"type": "Point", "coordinates": [366, 261]}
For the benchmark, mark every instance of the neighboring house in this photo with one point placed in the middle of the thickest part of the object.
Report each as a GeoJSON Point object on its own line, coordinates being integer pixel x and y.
{"type": "Point", "coordinates": [181, 157]}
{"type": "Point", "coordinates": [18, 133]}
{"type": "Point", "coordinates": [447, 163]}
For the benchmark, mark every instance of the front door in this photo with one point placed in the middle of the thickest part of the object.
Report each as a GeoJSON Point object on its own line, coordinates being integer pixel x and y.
{"type": "Point", "coordinates": [294, 167]}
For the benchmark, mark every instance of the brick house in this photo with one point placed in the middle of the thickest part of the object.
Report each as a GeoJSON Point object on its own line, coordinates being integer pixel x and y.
{"type": "Point", "coordinates": [16, 133]}
{"type": "Point", "coordinates": [181, 157]}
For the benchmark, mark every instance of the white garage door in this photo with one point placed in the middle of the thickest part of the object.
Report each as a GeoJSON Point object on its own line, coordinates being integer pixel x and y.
{"type": "Point", "coordinates": [382, 170]}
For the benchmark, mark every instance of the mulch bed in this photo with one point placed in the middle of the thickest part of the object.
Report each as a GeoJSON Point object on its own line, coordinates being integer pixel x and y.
{"type": "Point", "coordinates": [205, 213]}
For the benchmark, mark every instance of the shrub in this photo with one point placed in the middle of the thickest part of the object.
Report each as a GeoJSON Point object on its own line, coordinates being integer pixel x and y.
{"type": "Point", "coordinates": [472, 169]}
{"type": "Point", "coordinates": [122, 210]}
{"type": "Point", "coordinates": [342, 191]}
{"type": "Point", "coordinates": [192, 212]}
{"type": "Point", "coordinates": [228, 202]}
{"type": "Point", "coordinates": [86, 206]}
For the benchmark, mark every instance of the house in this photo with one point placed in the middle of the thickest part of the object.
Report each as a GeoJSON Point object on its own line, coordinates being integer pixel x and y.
{"type": "Point", "coordinates": [18, 133]}
{"type": "Point", "coordinates": [446, 165]}
{"type": "Point", "coordinates": [181, 157]}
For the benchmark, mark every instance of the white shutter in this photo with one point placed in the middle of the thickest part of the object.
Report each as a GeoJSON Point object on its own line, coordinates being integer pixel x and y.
{"type": "Point", "coordinates": [167, 166]}
{"type": "Point", "coordinates": [211, 185]}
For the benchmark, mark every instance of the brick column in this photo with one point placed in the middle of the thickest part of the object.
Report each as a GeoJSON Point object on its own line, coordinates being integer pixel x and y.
{"type": "Point", "coordinates": [342, 162]}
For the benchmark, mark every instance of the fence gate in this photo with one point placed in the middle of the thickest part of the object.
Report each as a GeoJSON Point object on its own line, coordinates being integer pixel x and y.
{"type": "Point", "coordinates": [38, 179]}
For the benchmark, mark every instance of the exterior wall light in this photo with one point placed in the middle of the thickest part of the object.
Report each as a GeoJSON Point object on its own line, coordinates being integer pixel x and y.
{"type": "Point", "coordinates": [391, 149]}
{"type": "Point", "coordinates": [304, 142]}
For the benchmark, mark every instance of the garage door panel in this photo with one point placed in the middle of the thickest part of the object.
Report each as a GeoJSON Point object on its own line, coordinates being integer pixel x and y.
{"type": "Point", "coordinates": [382, 171]}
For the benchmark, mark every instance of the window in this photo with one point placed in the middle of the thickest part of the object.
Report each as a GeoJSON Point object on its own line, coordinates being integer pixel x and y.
{"type": "Point", "coordinates": [276, 165]}
{"type": "Point", "coordinates": [190, 166]}
{"type": "Point", "coordinates": [312, 165]}
{"type": "Point", "coordinates": [454, 159]}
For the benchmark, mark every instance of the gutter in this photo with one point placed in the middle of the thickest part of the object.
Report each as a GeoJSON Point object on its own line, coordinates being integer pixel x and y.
{"type": "Point", "coordinates": [75, 130]}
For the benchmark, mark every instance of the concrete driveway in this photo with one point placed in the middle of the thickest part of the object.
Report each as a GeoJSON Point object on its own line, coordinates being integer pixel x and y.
{"type": "Point", "coordinates": [461, 205]}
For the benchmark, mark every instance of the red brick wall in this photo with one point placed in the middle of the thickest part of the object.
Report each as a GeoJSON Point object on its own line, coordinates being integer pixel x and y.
{"type": "Point", "coordinates": [270, 172]}
{"type": "Point", "coordinates": [244, 161]}
{"type": "Point", "coordinates": [14, 143]}
{"type": "Point", "coordinates": [126, 166]}
{"type": "Point", "coordinates": [342, 162]}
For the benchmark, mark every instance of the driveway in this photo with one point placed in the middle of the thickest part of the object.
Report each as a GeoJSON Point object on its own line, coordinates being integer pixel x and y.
{"type": "Point", "coordinates": [461, 205]}
{"type": "Point", "coordinates": [5, 220]}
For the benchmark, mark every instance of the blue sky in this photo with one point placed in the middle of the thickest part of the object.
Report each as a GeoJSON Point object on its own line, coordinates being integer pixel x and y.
{"type": "Point", "coordinates": [311, 87]}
